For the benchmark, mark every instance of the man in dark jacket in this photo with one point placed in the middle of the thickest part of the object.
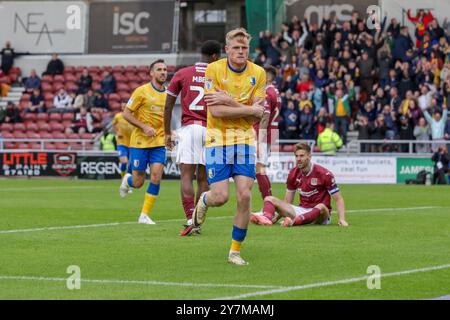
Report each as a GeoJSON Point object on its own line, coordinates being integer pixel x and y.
{"type": "Point", "coordinates": [441, 160]}
{"type": "Point", "coordinates": [8, 56]}
{"type": "Point", "coordinates": [55, 66]}
{"type": "Point", "coordinates": [402, 44]}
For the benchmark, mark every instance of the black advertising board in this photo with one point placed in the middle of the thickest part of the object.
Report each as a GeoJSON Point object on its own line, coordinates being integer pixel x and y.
{"type": "Point", "coordinates": [131, 27]}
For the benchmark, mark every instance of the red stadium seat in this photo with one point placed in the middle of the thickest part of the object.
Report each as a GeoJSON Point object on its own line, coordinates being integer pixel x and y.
{"type": "Point", "coordinates": [120, 77]}
{"type": "Point", "coordinates": [23, 105]}
{"type": "Point", "coordinates": [275, 148]}
{"type": "Point", "coordinates": [32, 127]}
{"type": "Point", "coordinates": [133, 85]}
{"type": "Point", "coordinates": [43, 127]}
{"type": "Point", "coordinates": [6, 135]}
{"type": "Point", "coordinates": [79, 69]}
{"type": "Point", "coordinates": [20, 135]}
{"type": "Point", "coordinates": [45, 135]}
{"type": "Point", "coordinates": [7, 127]}
{"type": "Point", "coordinates": [47, 88]}
{"type": "Point", "coordinates": [55, 117]}
{"type": "Point", "coordinates": [93, 69]}
{"type": "Point", "coordinates": [35, 146]}
{"type": "Point", "coordinates": [15, 70]}
{"type": "Point", "coordinates": [71, 86]}
{"type": "Point", "coordinates": [120, 69]}
{"type": "Point", "coordinates": [29, 117]}
{"type": "Point", "coordinates": [58, 135]}
{"type": "Point", "coordinates": [57, 86]}
{"type": "Point", "coordinates": [58, 78]}
{"type": "Point", "coordinates": [131, 76]}
{"type": "Point", "coordinates": [56, 127]}
{"type": "Point", "coordinates": [66, 123]}
{"type": "Point", "coordinates": [19, 127]}
{"type": "Point", "coordinates": [22, 145]}
{"type": "Point", "coordinates": [47, 78]}
{"type": "Point", "coordinates": [287, 148]}
{"type": "Point", "coordinates": [69, 77]}
{"type": "Point", "coordinates": [143, 69]}
{"type": "Point", "coordinates": [115, 106]}
{"type": "Point", "coordinates": [73, 136]}
{"type": "Point", "coordinates": [49, 146]}
{"type": "Point", "coordinates": [67, 116]}
{"type": "Point", "coordinates": [33, 135]}
{"type": "Point", "coordinates": [113, 97]}
{"type": "Point", "coordinates": [61, 146]}
{"type": "Point", "coordinates": [13, 77]}
{"type": "Point", "coordinates": [88, 136]}
{"type": "Point", "coordinates": [25, 97]}
{"type": "Point", "coordinates": [10, 145]}
{"type": "Point", "coordinates": [42, 117]}
{"type": "Point", "coordinates": [124, 96]}
{"type": "Point", "coordinates": [5, 79]}
{"type": "Point", "coordinates": [69, 69]}
{"type": "Point", "coordinates": [96, 86]}
{"type": "Point", "coordinates": [131, 69]}
{"type": "Point", "coordinates": [121, 86]}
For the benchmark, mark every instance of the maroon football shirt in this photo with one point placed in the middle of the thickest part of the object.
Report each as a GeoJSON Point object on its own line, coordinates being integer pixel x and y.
{"type": "Point", "coordinates": [273, 106]}
{"type": "Point", "coordinates": [314, 188]}
{"type": "Point", "coordinates": [190, 82]}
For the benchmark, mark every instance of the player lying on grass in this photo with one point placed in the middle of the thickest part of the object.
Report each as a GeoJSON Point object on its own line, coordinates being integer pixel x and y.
{"type": "Point", "coordinates": [315, 184]}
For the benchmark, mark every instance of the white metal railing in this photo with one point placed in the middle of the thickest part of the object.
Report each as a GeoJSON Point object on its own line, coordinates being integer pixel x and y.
{"type": "Point", "coordinates": [84, 143]}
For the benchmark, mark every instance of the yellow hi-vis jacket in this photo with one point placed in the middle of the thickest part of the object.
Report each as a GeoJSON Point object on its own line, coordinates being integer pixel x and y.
{"type": "Point", "coordinates": [329, 141]}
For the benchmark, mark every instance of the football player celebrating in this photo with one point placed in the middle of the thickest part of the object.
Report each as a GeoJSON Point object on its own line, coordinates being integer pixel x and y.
{"type": "Point", "coordinates": [235, 97]}
{"type": "Point", "coordinates": [267, 132]}
{"type": "Point", "coordinates": [190, 156]}
{"type": "Point", "coordinates": [145, 110]}
{"type": "Point", "coordinates": [315, 184]}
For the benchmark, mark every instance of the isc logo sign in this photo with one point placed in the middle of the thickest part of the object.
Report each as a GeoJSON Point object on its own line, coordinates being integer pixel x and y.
{"type": "Point", "coordinates": [127, 23]}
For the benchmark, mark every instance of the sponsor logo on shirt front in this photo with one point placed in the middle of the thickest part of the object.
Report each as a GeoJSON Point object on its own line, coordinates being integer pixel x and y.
{"type": "Point", "coordinates": [307, 193]}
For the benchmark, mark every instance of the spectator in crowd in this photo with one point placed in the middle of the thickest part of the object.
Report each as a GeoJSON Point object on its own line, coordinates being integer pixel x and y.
{"type": "Point", "coordinates": [437, 124]}
{"type": "Point", "coordinates": [12, 114]}
{"type": "Point", "coordinates": [4, 86]}
{"type": "Point", "coordinates": [377, 131]}
{"type": "Point", "coordinates": [306, 123]}
{"type": "Point", "coordinates": [32, 82]}
{"type": "Point", "coordinates": [62, 101]}
{"type": "Point", "coordinates": [85, 82]}
{"type": "Point", "coordinates": [341, 111]}
{"type": "Point", "coordinates": [441, 160]}
{"type": "Point", "coordinates": [89, 99]}
{"type": "Point", "coordinates": [55, 66]}
{"type": "Point", "coordinates": [37, 102]}
{"type": "Point", "coordinates": [405, 132]}
{"type": "Point", "coordinates": [108, 83]}
{"type": "Point", "coordinates": [388, 76]}
{"type": "Point", "coordinates": [82, 122]}
{"type": "Point", "coordinates": [108, 141]}
{"type": "Point", "coordinates": [291, 121]}
{"type": "Point", "coordinates": [329, 141]}
{"type": "Point", "coordinates": [8, 56]}
{"type": "Point", "coordinates": [422, 132]}
{"type": "Point", "coordinates": [362, 125]}
{"type": "Point", "coordinates": [421, 20]}
{"type": "Point", "coordinates": [100, 102]}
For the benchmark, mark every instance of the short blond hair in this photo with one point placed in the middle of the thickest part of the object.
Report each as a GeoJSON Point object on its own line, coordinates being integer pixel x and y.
{"type": "Point", "coordinates": [239, 34]}
{"type": "Point", "coordinates": [302, 146]}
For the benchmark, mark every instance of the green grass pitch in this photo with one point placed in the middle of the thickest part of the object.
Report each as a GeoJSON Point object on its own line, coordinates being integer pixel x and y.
{"type": "Point", "coordinates": [409, 231]}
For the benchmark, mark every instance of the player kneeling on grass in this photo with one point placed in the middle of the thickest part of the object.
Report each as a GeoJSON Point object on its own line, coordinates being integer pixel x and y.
{"type": "Point", "coordinates": [315, 184]}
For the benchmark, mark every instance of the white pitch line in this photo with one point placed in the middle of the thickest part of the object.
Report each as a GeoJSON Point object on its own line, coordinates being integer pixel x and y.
{"type": "Point", "coordinates": [113, 224]}
{"type": "Point", "coordinates": [329, 283]}
{"type": "Point", "coordinates": [54, 188]}
{"type": "Point", "coordinates": [144, 282]}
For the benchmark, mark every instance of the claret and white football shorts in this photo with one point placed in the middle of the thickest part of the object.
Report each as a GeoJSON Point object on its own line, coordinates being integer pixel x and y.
{"type": "Point", "coordinates": [191, 144]}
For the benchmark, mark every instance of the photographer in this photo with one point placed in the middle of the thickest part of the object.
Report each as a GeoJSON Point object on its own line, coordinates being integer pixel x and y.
{"type": "Point", "coordinates": [441, 160]}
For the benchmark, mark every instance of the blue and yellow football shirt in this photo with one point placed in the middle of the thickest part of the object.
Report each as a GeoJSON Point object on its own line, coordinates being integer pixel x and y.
{"type": "Point", "coordinates": [147, 105]}
{"type": "Point", "coordinates": [245, 86]}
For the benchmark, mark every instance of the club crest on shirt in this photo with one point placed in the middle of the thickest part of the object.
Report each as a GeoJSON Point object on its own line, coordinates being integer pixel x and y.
{"type": "Point", "coordinates": [211, 173]}
{"type": "Point", "coordinates": [136, 163]}
{"type": "Point", "coordinates": [314, 181]}
{"type": "Point", "coordinates": [252, 81]}
{"type": "Point", "coordinates": [208, 84]}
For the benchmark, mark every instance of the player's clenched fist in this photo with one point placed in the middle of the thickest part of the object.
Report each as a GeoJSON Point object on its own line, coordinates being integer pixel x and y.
{"type": "Point", "coordinates": [149, 131]}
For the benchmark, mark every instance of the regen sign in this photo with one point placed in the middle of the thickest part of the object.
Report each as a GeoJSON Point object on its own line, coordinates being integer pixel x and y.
{"type": "Point", "coordinates": [131, 27]}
